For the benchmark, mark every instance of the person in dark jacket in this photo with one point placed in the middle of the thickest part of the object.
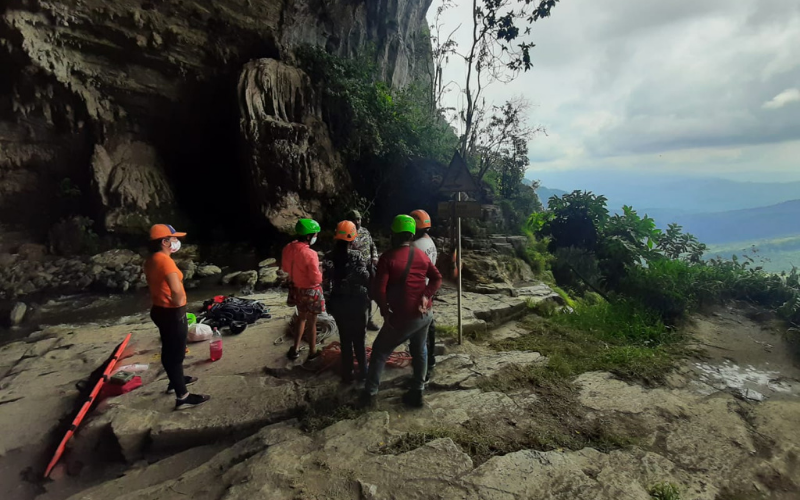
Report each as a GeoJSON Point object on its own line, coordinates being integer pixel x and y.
{"type": "Point", "coordinates": [404, 299]}
{"type": "Point", "coordinates": [365, 245]}
{"type": "Point", "coordinates": [344, 280]}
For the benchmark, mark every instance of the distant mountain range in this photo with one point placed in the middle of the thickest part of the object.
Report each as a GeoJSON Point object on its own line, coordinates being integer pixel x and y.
{"type": "Point", "coordinates": [775, 220]}
{"type": "Point", "coordinates": [652, 193]}
{"type": "Point", "coordinates": [760, 223]}
{"type": "Point", "coordinates": [546, 193]}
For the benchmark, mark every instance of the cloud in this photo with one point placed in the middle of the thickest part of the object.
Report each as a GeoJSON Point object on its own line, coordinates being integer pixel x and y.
{"type": "Point", "coordinates": [786, 97]}
{"type": "Point", "coordinates": [630, 84]}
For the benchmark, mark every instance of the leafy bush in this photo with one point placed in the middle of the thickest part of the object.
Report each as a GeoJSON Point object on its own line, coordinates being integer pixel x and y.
{"type": "Point", "coordinates": [536, 255]}
{"type": "Point", "coordinates": [672, 288]}
{"type": "Point", "coordinates": [576, 269]}
{"type": "Point", "coordinates": [369, 120]}
{"type": "Point", "coordinates": [662, 272]}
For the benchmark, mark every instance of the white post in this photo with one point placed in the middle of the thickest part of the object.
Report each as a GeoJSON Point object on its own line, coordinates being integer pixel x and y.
{"type": "Point", "coordinates": [458, 267]}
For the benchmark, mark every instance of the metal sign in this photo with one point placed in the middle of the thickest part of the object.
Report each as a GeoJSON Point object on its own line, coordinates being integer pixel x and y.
{"type": "Point", "coordinates": [458, 179]}
{"type": "Point", "coordinates": [463, 209]}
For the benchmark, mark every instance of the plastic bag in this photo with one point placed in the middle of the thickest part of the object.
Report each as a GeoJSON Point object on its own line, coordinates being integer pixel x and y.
{"type": "Point", "coordinates": [199, 332]}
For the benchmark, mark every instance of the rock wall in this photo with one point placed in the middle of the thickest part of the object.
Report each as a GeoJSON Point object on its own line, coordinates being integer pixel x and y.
{"type": "Point", "coordinates": [109, 109]}
{"type": "Point", "coordinates": [288, 152]}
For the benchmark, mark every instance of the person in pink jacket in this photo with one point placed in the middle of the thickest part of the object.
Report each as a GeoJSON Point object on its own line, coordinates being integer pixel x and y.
{"type": "Point", "coordinates": [301, 263]}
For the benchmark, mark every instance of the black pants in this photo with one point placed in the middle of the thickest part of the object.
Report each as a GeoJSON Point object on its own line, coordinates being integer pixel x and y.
{"type": "Point", "coordinates": [351, 319]}
{"type": "Point", "coordinates": [431, 343]}
{"type": "Point", "coordinates": [173, 328]}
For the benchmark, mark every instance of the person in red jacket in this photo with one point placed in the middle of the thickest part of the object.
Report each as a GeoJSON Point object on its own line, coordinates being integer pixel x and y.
{"type": "Point", "coordinates": [404, 299]}
{"type": "Point", "coordinates": [301, 263]}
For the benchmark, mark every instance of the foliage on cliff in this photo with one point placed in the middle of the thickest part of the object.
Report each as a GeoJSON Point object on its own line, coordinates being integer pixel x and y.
{"type": "Point", "coordinates": [626, 258]}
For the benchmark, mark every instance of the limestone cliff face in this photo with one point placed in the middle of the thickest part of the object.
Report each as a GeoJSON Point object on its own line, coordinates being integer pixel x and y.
{"type": "Point", "coordinates": [287, 151]}
{"type": "Point", "coordinates": [135, 102]}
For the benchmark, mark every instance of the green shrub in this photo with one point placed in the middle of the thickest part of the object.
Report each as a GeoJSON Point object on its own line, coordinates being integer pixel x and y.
{"type": "Point", "coordinates": [565, 296]}
{"type": "Point", "coordinates": [665, 287]}
{"type": "Point", "coordinates": [665, 491]}
{"type": "Point", "coordinates": [535, 254]}
{"type": "Point", "coordinates": [674, 288]}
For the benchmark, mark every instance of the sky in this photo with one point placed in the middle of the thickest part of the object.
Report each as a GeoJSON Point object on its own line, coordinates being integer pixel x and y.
{"type": "Point", "coordinates": [688, 88]}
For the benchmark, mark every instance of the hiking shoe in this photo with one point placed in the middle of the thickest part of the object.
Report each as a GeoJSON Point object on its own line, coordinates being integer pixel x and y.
{"type": "Point", "coordinates": [292, 354]}
{"type": "Point", "coordinates": [191, 401]}
{"type": "Point", "coordinates": [371, 326]}
{"type": "Point", "coordinates": [367, 401]}
{"type": "Point", "coordinates": [187, 380]}
{"type": "Point", "coordinates": [413, 399]}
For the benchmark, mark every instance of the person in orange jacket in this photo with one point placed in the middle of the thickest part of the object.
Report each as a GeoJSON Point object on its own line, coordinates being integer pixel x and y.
{"type": "Point", "coordinates": [168, 296]}
{"type": "Point", "coordinates": [301, 263]}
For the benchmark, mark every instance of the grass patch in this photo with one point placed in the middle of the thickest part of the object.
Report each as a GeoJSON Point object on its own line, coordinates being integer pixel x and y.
{"type": "Point", "coordinates": [564, 295]}
{"type": "Point", "coordinates": [665, 491]}
{"type": "Point", "coordinates": [482, 442]}
{"type": "Point", "coordinates": [446, 331]}
{"type": "Point", "coordinates": [604, 337]}
{"type": "Point", "coordinates": [326, 411]}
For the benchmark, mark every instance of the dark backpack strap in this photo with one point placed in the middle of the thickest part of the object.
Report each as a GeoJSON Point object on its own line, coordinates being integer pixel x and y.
{"type": "Point", "coordinates": [407, 270]}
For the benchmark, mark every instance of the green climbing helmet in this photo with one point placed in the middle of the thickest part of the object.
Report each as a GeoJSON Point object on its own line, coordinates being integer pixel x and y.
{"type": "Point", "coordinates": [306, 226]}
{"type": "Point", "coordinates": [404, 224]}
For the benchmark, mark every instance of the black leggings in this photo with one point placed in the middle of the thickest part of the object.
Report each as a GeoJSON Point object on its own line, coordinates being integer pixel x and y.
{"type": "Point", "coordinates": [351, 319]}
{"type": "Point", "coordinates": [173, 328]}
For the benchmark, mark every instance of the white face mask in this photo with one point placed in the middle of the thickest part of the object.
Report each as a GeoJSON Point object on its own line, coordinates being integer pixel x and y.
{"type": "Point", "coordinates": [175, 246]}
{"type": "Point", "coordinates": [313, 240]}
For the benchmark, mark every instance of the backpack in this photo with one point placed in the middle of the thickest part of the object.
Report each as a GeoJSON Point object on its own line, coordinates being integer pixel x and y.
{"type": "Point", "coordinates": [221, 311]}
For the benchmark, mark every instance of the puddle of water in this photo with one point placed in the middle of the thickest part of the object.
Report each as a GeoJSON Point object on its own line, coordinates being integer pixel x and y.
{"type": "Point", "coordinates": [751, 382]}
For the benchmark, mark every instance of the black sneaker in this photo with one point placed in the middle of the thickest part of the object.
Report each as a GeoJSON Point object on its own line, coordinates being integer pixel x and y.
{"type": "Point", "coordinates": [413, 399]}
{"type": "Point", "coordinates": [367, 400]}
{"type": "Point", "coordinates": [186, 380]}
{"type": "Point", "coordinates": [292, 354]}
{"type": "Point", "coordinates": [191, 401]}
{"type": "Point", "coordinates": [371, 326]}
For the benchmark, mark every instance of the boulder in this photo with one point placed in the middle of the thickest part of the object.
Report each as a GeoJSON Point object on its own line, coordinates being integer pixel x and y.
{"type": "Point", "coordinates": [247, 278]}
{"type": "Point", "coordinates": [116, 259]}
{"type": "Point", "coordinates": [18, 313]}
{"type": "Point", "coordinates": [207, 270]}
{"type": "Point", "coordinates": [267, 276]}
{"type": "Point", "coordinates": [267, 262]}
{"type": "Point", "coordinates": [32, 252]}
{"type": "Point", "coordinates": [188, 267]}
{"type": "Point", "coordinates": [228, 278]}
{"type": "Point", "coordinates": [7, 260]}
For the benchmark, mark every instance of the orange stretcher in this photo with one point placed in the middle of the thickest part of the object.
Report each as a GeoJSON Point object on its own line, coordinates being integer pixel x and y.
{"type": "Point", "coordinates": [87, 404]}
